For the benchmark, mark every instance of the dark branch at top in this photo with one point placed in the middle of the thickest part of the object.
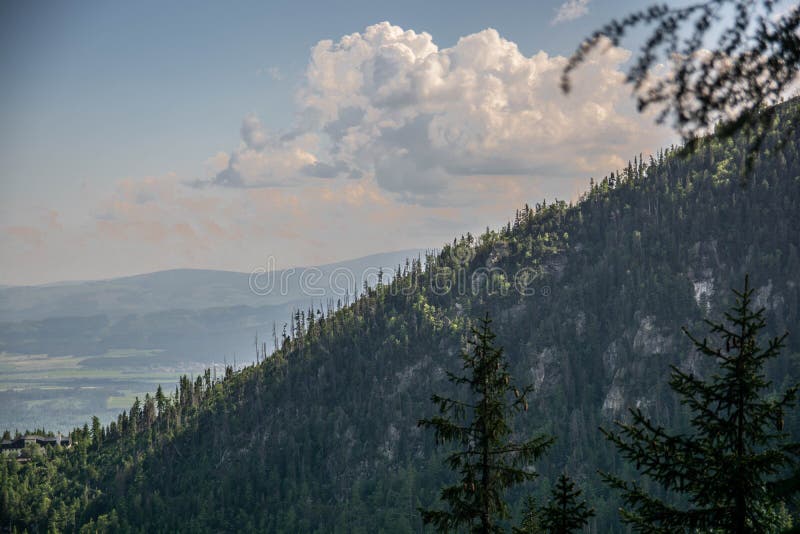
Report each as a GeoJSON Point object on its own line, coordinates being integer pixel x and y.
{"type": "Point", "coordinates": [754, 62]}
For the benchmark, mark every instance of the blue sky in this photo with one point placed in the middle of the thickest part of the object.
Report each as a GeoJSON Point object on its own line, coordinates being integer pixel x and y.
{"type": "Point", "coordinates": [104, 102]}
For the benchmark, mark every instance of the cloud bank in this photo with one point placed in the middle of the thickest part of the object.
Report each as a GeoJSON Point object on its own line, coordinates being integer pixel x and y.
{"type": "Point", "coordinates": [397, 144]}
{"type": "Point", "coordinates": [389, 105]}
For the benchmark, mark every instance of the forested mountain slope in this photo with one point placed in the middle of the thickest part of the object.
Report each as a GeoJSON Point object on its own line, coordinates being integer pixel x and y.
{"type": "Point", "coordinates": [588, 301]}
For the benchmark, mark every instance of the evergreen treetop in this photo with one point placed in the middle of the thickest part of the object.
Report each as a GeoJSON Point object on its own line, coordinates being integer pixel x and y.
{"type": "Point", "coordinates": [487, 460]}
{"type": "Point", "coordinates": [566, 512]}
{"type": "Point", "coordinates": [724, 469]}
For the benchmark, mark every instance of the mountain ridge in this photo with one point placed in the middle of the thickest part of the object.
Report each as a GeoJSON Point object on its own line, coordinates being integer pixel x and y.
{"type": "Point", "coordinates": [322, 435]}
{"type": "Point", "coordinates": [59, 370]}
{"type": "Point", "coordinates": [368, 257]}
{"type": "Point", "coordinates": [64, 299]}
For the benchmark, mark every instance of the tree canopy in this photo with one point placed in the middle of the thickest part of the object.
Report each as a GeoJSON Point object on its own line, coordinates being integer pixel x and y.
{"type": "Point", "coordinates": [723, 469]}
{"type": "Point", "coordinates": [487, 460]}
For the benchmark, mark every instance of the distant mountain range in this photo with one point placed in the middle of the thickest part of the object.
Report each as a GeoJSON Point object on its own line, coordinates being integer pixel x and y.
{"type": "Point", "coordinates": [189, 289]}
{"type": "Point", "coordinates": [71, 350]}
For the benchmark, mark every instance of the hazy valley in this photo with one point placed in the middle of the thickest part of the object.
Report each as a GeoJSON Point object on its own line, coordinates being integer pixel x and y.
{"type": "Point", "coordinates": [72, 350]}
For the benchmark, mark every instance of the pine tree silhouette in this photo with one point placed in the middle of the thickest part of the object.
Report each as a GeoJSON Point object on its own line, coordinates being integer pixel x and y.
{"type": "Point", "coordinates": [723, 470]}
{"type": "Point", "coordinates": [485, 458]}
{"type": "Point", "coordinates": [566, 512]}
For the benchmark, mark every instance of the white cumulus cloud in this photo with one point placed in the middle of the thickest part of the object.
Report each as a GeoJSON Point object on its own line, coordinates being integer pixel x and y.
{"type": "Point", "coordinates": [389, 105]}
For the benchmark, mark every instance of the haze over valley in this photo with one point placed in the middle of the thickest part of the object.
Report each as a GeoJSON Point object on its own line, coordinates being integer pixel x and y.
{"type": "Point", "coordinates": [69, 351]}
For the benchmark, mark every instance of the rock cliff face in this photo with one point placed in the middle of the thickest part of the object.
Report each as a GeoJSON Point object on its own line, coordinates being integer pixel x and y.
{"type": "Point", "coordinates": [627, 361]}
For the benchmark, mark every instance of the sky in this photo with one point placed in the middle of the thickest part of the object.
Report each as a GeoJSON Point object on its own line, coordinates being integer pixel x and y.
{"type": "Point", "coordinates": [142, 136]}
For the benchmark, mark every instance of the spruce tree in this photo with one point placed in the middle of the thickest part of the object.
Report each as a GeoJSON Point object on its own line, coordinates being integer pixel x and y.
{"type": "Point", "coordinates": [566, 512]}
{"type": "Point", "coordinates": [722, 472]}
{"type": "Point", "coordinates": [485, 457]}
{"type": "Point", "coordinates": [531, 521]}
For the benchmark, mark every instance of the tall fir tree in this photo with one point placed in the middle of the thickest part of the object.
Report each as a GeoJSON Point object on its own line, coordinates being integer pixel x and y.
{"type": "Point", "coordinates": [566, 512]}
{"type": "Point", "coordinates": [485, 457]}
{"type": "Point", "coordinates": [722, 473]}
{"type": "Point", "coordinates": [531, 518]}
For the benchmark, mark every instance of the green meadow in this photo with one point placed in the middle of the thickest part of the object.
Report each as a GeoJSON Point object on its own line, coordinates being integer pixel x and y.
{"type": "Point", "coordinates": [61, 392]}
